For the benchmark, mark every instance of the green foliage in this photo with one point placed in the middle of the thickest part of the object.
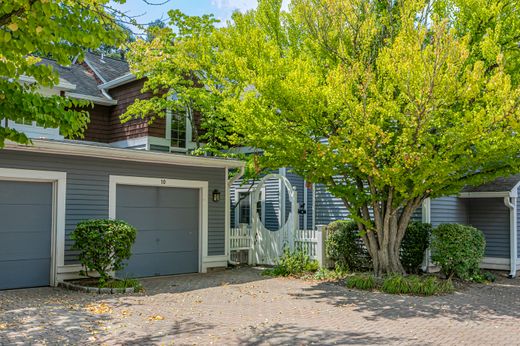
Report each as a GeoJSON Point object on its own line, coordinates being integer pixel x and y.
{"type": "Point", "coordinates": [458, 250]}
{"type": "Point", "coordinates": [178, 64]}
{"type": "Point", "coordinates": [414, 244]}
{"type": "Point", "coordinates": [416, 285]}
{"type": "Point", "coordinates": [293, 264]}
{"type": "Point", "coordinates": [125, 283]}
{"type": "Point", "coordinates": [327, 274]}
{"type": "Point", "coordinates": [345, 246]}
{"type": "Point", "coordinates": [103, 245]}
{"type": "Point", "coordinates": [362, 282]}
{"type": "Point", "coordinates": [399, 284]}
{"type": "Point", "coordinates": [318, 89]}
{"type": "Point", "coordinates": [46, 28]}
{"type": "Point", "coordinates": [490, 277]}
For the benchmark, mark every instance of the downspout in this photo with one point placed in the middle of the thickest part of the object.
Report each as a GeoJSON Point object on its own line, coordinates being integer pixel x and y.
{"type": "Point", "coordinates": [426, 218]}
{"type": "Point", "coordinates": [510, 202]}
{"type": "Point", "coordinates": [313, 206]}
{"type": "Point", "coordinates": [107, 95]}
{"type": "Point", "coordinates": [305, 204]}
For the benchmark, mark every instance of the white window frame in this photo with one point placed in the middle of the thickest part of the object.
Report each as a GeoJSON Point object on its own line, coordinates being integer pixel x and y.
{"type": "Point", "coordinates": [202, 186]}
{"type": "Point", "coordinates": [250, 191]}
{"type": "Point", "coordinates": [59, 195]}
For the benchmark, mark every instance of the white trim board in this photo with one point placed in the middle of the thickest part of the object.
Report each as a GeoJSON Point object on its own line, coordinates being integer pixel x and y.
{"type": "Point", "coordinates": [59, 181]}
{"type": "Point", "coordinates": [497, 263]}
{"type": "Point", "coordinates": [76, 149]}
{"type": "Point", "coordinates": [115, 180]}
{"type": "Point", "coordinates": [484, 194]}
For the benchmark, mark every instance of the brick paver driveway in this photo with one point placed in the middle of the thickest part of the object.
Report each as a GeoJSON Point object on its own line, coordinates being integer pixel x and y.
{"type": "Point", "coordinates": [241, 307]}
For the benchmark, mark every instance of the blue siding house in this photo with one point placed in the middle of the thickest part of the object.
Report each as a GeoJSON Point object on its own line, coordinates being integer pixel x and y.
{"type": "Point", "coordinates": [493, 208]}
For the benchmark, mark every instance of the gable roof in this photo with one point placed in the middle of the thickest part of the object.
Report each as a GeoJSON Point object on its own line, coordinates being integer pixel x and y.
{"type": "Point", "coordinates": [502, 184]}
{"type": "Point", "coordinates": [106, 68]}
{"type": "Point", "coordinates": [77, 75]}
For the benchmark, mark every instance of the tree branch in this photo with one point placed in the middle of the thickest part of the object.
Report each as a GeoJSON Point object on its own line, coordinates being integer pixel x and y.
{"type": "Point", "coordinates": [6, 18]}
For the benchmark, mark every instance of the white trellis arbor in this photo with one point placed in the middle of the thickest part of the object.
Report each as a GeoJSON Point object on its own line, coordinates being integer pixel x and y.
{"type": "Point", "coordinates": [268, 245]}
{"type": "Point", "coordinates": [265, 246]}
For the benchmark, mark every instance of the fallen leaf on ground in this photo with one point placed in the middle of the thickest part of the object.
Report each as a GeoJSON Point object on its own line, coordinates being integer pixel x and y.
{"type": "Point", "coordinates": [102, 308]}
{"type": "Point", "coordinates": [155, 318]}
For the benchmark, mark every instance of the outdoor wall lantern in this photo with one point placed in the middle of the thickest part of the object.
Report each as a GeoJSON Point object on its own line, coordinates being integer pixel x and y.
{"type": "Point", "coordinates": [216, 195]}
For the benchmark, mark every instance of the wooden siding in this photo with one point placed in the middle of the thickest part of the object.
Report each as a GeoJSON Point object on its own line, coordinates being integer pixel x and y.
{"type": "Point", "coordinates": [98, 129]}
{"type": "Point", "coordinates": [126, 95]}
{"type": "Point", "coordinates": [449, 209]}
{"type": "Point", "coordinates": [88, 184]}
{"type": "Point", "coordinates": [518, 226]}
{"type": "Point", "coordinates": [491, 216]}
{"type": "Point", "coordinates": [328, 207]}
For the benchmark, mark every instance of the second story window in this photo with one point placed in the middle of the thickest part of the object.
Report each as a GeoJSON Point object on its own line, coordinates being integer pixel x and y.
{"type": "Point", "coordinates": [178, 131]}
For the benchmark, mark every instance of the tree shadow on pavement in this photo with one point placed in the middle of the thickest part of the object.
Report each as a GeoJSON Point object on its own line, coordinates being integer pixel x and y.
{"type": "Point", "coordinates": [185, 329]}
{"type": "Point", "coordinates": [476, 303]}
{"type": "Point", "coordinates": [290, 334]}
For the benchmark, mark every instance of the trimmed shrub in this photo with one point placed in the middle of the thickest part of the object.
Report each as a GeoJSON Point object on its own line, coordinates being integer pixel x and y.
{"type": "Point", "coordinates": [345, 247]}
{"type": "Point", "coordinates": [458, 250]}
{"type": "Point", "coordinates": [103, 246]}
{"type": "Point", "coordinates": [414, 244]}
{"type": "Point", "coordinates": [293, 264]}
{"type": "Point", "coordinates": [362, 282]}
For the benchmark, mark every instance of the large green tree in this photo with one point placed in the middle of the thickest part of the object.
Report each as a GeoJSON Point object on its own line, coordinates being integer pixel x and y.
{"type": "Point", "coordinates": [386, 103]}
{"type": "Point", "coordinates": [58, 29]}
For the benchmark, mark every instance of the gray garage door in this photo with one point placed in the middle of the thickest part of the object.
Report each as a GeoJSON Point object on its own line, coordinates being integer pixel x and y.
{"type": "Point", "coordinates": [25, 234]}
{"type": "Point", "coordinates": [167, 223]}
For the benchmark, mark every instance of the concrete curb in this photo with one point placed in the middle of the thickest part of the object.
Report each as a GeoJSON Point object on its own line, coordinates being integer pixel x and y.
{"type": "Point", "coordinates": [87, 289]}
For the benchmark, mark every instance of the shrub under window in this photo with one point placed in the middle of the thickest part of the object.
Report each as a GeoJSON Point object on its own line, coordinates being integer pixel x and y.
{"type": "Point", "coordinates": [458, 250]}
{"type": "Point", "coordinates": [103, 245]}
{"type": "Point", "coordinates": [345, 246]}
{"type": "Point", "coordinates": [414, 244]}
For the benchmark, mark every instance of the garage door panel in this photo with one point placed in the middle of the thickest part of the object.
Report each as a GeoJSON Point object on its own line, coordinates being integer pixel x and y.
{"type": "Point", "coordinates": [164, 241]}
{"type": "Point", "coordinates": [156, 264]}
{"type": "Point", "coordinates": [26, 245]}
{"type": "Point", "coordinates": [159, 218]}
{"type": "Point", "coordinates": [28, 273]}
{"type": "Point", "coordinates": [150, 196]}
{"type": "Point", "coordinates": [167, 223]}
{"type": "Point", "coordinates": [25, 218]}
{"type": "Point", "coordinates": [136, 196]}
{"type": "Point", "coordinates": [25, 234]}
{"type": "Point", "coordinates": [178, 198]}
{"type": "Point", "coordinates": [16, 192]}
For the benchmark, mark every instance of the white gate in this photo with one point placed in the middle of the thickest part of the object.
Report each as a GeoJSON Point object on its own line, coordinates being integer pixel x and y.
{"type": "Point", "coordinates": [269, 245]}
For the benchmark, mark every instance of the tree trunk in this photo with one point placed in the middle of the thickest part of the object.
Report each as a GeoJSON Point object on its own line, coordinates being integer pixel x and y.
{"type": "Point", "coordinates": [384, 240]}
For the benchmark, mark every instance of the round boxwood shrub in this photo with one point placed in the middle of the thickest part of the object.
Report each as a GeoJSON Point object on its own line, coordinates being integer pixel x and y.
{"type": "Point", "coordinates": [103, 245]}
{"type": "Point", "coordinates": [458, 250]}
{"type": "Point", "coordinates": [414, 244]}
{"type": "Point", "coordinates": [345, 247]}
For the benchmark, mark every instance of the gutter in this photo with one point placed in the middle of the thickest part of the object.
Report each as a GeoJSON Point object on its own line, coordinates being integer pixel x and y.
{"type": "Point", "coordinates": [105, 152]}
{"type": "Point", "coordinates": [127, 78]}
{"type": "Point", "coordinates": [96, 100]}
{"type": "Point", "coordinates": [62, 84]}
{"type": "Point", "coordinates": [511, 203]}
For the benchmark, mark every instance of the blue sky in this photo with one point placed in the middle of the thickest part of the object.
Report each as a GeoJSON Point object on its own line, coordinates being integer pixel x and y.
{"type": "Point", "coordinates": [222, 9]}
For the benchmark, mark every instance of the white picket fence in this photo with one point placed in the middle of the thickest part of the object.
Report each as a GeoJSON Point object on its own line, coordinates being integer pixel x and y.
{"type": "Point", "coordinates": [312, 242]}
